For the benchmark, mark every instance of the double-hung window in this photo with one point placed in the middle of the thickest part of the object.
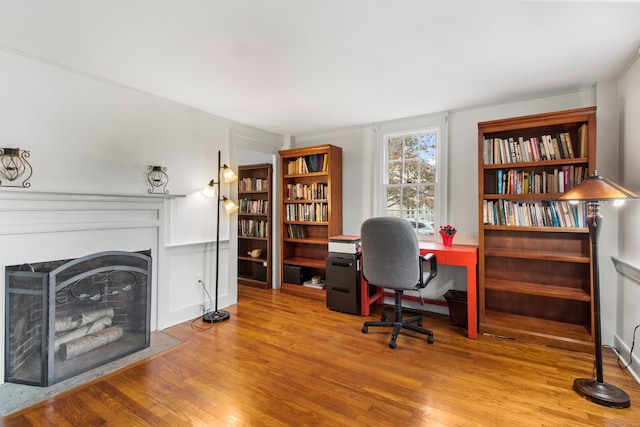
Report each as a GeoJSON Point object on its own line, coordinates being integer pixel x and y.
{"type": "Point", "coordinates": [412, 178]}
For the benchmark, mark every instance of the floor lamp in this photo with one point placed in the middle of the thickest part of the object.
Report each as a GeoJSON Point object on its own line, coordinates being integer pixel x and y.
{"type": "Point", "coordinates": [212, 190]}
{"type": "Point", "coordinates": [594, 191]}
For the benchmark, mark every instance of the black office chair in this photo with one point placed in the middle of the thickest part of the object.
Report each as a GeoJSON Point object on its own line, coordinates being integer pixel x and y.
{"type": "Point", "coordinates": [391, 259]}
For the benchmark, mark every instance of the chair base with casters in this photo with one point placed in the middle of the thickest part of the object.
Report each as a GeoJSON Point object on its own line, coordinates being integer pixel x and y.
{"type": "Point", "coordinates": [399, 323]}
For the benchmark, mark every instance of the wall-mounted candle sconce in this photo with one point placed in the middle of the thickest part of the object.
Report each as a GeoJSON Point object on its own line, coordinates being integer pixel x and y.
{"type": "Point", "coordinates": [158, 179]}
{"type": "Point", "coordinates": [14, 166]}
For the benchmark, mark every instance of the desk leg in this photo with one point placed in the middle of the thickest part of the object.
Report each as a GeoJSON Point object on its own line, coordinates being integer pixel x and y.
{"type": "Point", "coordinates": [472, 303]}
{"type": "Point", "coordinates": [366, 300]}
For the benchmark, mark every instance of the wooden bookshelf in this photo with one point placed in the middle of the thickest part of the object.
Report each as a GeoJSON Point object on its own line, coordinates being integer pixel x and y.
{"type": "Point", "coordinates": [534, 252]}
{"type": "Point", "coordinates": [310, 212]}
{"type": "Point", "coordinates": [254, 224]}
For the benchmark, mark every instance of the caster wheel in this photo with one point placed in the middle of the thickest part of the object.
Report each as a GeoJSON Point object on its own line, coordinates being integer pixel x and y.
{"type": "Point", "coordinates": [365, 329]}
{"type": "Point", "coordinates": [430, 339]}
{"type": "Point", "coordinates": [392, 344]}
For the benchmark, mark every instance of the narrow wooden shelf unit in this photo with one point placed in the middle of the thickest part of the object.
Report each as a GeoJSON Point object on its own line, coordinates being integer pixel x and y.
{"type": "Point", "coordinates": [311, 213]}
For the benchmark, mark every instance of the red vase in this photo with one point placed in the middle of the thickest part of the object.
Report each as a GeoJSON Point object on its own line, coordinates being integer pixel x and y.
{"type": "Point", "coordinates": [447, 239]}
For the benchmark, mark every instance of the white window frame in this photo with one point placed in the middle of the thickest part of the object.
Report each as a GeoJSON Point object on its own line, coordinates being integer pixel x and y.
{"type": "Point", "coordinates": [412, 126]}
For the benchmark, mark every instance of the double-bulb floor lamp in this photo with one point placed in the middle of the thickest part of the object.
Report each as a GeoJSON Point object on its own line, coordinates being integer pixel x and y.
{"type": "Point", "coordinates": [596, 190]}
{"type": "Point", "coordinates": [212, 190]}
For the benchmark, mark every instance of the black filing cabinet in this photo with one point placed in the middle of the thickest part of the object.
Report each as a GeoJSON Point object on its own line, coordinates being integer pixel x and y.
{"type": "Point", "coordinates": [343, 282]}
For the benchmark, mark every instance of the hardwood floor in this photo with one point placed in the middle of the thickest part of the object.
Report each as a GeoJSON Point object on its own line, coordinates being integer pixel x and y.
{"type": "Point", "coordinates": [282, 360]}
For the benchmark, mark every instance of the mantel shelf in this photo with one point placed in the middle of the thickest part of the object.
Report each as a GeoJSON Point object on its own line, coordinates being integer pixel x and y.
{"type": "Point", "coordinates": [22, 193]}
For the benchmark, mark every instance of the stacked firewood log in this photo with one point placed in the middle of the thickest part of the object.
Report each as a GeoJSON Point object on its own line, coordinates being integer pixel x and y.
{"type": "Point", "coordinates": [82, 333]}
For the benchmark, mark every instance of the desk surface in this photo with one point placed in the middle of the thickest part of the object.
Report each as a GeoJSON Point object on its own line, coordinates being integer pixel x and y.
{"type": "Point", "coordinates": [458, 255]}
{"type": "Point", "coordinates": [464, 254]}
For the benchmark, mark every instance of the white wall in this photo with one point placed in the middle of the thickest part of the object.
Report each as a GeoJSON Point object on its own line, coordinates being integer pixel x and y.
{"type": "Point", "coordinates": [358, 171]}
{"type": "Point", "coordinates": [628, 284]}
{"type": "Point", "coordinates": [87, 135]}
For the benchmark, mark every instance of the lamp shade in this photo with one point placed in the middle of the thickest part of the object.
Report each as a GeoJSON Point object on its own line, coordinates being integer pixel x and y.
{"type": "Point", "coordinates": [228, 175]}
{"type": "Point", "coordinates": [597, 188]}
{"type": "Point", "coordinates": [210, 190]}
{"type": "Point", "coordinates": [229, 206]}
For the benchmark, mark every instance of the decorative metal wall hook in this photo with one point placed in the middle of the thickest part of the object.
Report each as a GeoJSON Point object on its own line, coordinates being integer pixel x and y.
{"type": "Point", "coordinates": [13, 166]}
{"type": "Point", "coordinates": [158, 179]}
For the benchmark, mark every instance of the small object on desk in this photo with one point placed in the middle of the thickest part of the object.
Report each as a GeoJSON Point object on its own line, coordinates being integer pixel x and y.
{"type": "Point", "coordinates": [447, 232]}
{"type": "Point", "coordinates": [345, 244]}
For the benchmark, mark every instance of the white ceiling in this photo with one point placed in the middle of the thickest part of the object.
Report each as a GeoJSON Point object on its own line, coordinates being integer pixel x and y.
{"type": "Point", "coordinates": [302, 66]}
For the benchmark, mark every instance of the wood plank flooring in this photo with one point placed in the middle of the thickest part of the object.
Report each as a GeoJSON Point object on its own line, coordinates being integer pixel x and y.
{"type": "Point", "coordinates": [283, 360]}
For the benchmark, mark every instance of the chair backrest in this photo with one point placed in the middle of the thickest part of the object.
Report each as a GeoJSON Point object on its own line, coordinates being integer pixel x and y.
{"type": "Point", "coordinates": [390, 253]}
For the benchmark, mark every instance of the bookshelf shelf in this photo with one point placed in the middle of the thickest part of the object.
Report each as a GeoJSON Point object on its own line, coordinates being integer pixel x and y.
{"type": "Point", "coordinates": [319, 223]}
{"type": "Point", "coordinates": [306, 262]}
{"type": "Point", "coordinates": [548, 332]}
{"type": "Point", "coordinates": [540, 164]}
{"type": "Point", "coordinates": [538, 255]}
{"type": "Point", "coordinates": [537, 289]}
{"type": "Point", "coordinates": [252, 238]}
{"type": "Point", "coordinates": [316, 197]}
{"type": "Point", "coordinates": [548, 229]}
{"type": "Point", "coordinates": [307, 241]}
{"type": "Point", "coordinates": [305, 175]}
{"type": "Point", "coordinates": [254, 224]}
{"type": "Point", "coordinates": [306, 201]}
{"type": "Point", "coordinates": [534, 251]}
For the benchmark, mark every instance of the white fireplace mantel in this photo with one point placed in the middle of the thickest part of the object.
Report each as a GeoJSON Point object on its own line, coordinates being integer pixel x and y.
{"type": "Point", "coordinates": [45, 226]}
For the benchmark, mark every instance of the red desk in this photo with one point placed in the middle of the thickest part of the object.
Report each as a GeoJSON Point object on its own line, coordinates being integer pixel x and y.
{"type": "Point", "coordinates": [459, 255]}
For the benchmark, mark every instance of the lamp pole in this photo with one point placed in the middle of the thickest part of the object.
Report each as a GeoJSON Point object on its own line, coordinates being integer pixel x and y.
{"type": "Point", "coordinates": [217, 315]}
{"type": "Point", "coordinates": [597, 390]}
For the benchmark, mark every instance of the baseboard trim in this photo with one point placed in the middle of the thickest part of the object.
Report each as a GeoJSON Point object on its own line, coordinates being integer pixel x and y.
{"type": "Point", "coordinates": [623, 355]}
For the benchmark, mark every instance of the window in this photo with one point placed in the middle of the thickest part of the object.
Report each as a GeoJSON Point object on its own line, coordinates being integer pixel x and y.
{"type": "Point", "coordinates": [411, 181]}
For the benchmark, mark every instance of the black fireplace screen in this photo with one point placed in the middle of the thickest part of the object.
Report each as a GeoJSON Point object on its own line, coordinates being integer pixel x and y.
{"type": "Point", "coordinates": [67, 317]}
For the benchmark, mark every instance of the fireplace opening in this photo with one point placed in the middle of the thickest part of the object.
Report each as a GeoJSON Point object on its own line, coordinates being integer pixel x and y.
{"type": "Point", "coordinates": [66, 317]}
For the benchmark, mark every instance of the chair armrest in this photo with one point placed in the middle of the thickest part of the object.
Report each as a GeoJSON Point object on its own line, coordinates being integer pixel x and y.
{"type": "Point", "coordinates": [433, 269]}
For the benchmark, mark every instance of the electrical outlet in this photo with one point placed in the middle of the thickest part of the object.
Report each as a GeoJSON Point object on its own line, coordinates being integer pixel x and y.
{"type": "Point", "coordinates": [198, 280]}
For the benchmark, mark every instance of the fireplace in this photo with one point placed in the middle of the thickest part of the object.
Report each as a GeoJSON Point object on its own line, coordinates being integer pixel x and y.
{"type": "Point", "coordinates": [69, 316]}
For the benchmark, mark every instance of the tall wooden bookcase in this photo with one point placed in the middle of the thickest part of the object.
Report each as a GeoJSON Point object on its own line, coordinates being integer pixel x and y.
{"type": "Point", "coordinates": [311, 213]}
{"type": "Point", "coordinates": [254, 224]}
{"type": "Point", "coordinates": [534, 251]}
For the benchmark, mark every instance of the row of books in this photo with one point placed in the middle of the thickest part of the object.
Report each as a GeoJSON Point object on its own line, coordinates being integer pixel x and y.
{"type": "Point", "coordinates": [307, 164]}
{"type": "Point", "coordinates": [315, 212]}
{"type": "Point", "coordinates": [548, 213]}
{"type": "Point", "coordinates": [253, 184]}
{"type": "Point", "coordinates": [296, 231]}
{"type": "Point", "coordinates": [534, 149]}
{"type": "Point", "coordinates": [315, 191]}
{"type": "Point", "coordinates": [514, 181]}
{"type": "Point", "coordinates": [248, 206]}
{"type": "Point", "coordinates": [253, 228]}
